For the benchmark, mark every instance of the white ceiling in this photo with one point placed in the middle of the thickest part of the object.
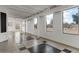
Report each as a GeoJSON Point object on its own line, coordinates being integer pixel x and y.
{"type": "Point", "coordinates": [23, 11]}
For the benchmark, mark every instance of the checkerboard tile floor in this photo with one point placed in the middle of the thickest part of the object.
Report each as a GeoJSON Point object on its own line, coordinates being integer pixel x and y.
{"type": "Point", "coordinates": [12, 47]}
{"type": "Point", "coordinates": [28, 50]}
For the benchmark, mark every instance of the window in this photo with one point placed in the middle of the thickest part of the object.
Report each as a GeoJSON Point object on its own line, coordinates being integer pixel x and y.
{"type": "Point", "coordinates": [23, 24]}
{"type": "Point", "coordinates": [35, 23]}
{"type": "Point", "coordinates": [71, 21]}
{"type": "Point", "coordinates": [49, 23]}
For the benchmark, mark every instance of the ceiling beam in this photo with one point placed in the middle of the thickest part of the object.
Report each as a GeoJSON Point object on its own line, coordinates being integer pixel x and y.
{"type": "Point", "coordinates": [51, 7]}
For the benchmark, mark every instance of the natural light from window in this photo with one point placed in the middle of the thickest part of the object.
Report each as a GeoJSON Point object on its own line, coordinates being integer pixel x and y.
{"type": "Point", "coordinates": [35, 23]}
{"type": "Point", "coordinates": [70, 20]}
{"type": "Point", "coordinates": [49, 23]}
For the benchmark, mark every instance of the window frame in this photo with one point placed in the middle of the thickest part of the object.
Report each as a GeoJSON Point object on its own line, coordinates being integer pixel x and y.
{"type": "Point", "coordinates": [63, 18]}
{"type": "Point", "coordinates": [46, 22]}
{"type": "Point", "coordinates": [34, 22]}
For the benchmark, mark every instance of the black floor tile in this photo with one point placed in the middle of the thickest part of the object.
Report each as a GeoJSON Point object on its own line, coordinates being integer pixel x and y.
{"type": "Point", "coordinates": [67, 51]}
{"type": "Point", "coordinates": [22, 48]}
{"type": "Point", "coordinates": [29, 38]}
{"type": "Point", "coordinates": [44, 48]}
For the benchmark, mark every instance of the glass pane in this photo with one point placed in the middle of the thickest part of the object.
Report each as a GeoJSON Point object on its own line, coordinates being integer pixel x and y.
{"type": "Point", "coordinates": [35, 23]}
{"type": "Point", "coordinates": [70, 20]}
{"type": "Point", "coordinates": [49, 24]}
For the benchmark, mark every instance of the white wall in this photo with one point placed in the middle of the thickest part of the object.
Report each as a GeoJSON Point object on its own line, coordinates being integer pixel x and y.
{"type": "Point", "coordinates": [11, 28]}
{"type": "Point", "coordinates": [13, 21]}
{"type": "Point", "coordinates": [57, 34]}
